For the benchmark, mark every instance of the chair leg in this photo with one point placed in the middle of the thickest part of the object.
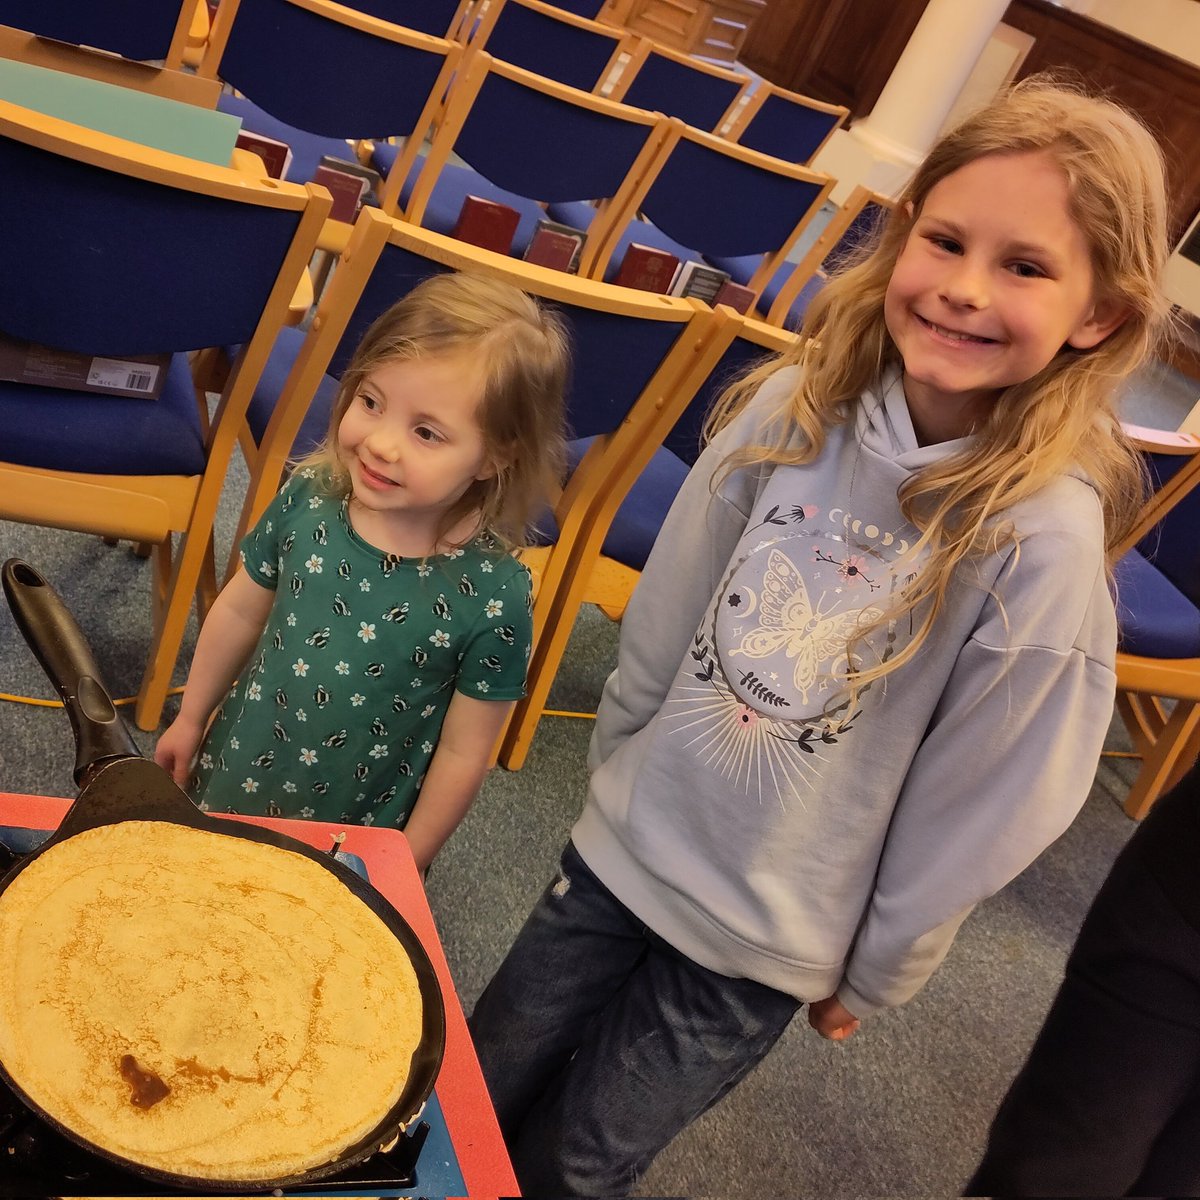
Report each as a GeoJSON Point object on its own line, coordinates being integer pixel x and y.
{"type": "Point", "coordinates": [1171, 754]}
{"type": "Point", "coordinates": [1144, 719]}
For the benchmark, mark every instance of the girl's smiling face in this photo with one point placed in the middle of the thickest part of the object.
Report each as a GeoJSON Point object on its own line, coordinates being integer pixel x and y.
{"type": "Point", "coordinates": [994, 280]}
{"type": "Point", "coordinates": [411, 441]}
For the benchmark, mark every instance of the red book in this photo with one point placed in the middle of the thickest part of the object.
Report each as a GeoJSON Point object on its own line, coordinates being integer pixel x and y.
{"type": "Point", "coordinates": [739, 298]}
{"type": "Point", "coordinates": [346, 190]}
{"type": "Point", "coordinates": [647, 268]}
{"type": "Point", "coordinates": [550, 249]}
{"type": "Point", "coordinates": [276, 155]}
{"type": "Point", "coordinates": [486, 223]}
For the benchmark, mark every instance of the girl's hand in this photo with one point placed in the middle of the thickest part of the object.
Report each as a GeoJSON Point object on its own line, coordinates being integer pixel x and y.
{"type": "Point", "coordinates": [832, 1019]}
{"type": "Point", "coordinates": [176, 749]}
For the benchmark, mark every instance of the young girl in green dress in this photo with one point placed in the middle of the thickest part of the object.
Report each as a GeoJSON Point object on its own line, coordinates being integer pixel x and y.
{"type": "Point", "coordinates": [379, 627]}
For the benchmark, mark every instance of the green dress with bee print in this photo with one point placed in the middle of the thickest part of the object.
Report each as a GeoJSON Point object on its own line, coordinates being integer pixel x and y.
{"type": "Point", "coordinates": [338, 713]}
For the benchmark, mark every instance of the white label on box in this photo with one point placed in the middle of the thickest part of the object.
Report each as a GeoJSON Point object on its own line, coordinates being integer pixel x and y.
{"type": "Point", "coordinates": [120, 375]}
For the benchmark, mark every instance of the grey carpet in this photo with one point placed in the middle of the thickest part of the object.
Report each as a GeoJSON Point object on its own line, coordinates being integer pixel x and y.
{"type": "Point", "coordinates": [901, 1109]}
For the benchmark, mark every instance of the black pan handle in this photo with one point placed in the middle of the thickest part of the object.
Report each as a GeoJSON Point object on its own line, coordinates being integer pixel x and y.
{"type": "Point", "coordinates": [59, 644]}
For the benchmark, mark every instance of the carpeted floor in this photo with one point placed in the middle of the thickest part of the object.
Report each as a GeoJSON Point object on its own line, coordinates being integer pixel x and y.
{"type": "Point", "coordinates": [900, 1110]}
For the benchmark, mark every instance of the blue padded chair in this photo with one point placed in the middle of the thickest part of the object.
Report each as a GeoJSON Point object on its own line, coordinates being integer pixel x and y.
{"type": "Point", "coordinates": [525, 140]}
{"type": "Point", "coordinates": [853, 226]}
{"type": "Point", "coordinates": [138, 29]}
{"type": "Point", "coordinates": [700, 94]}
{"type": "Point", "coordinates": [637, 358]}
{"type": "Point", "coordinates": [551, 42]}
{"type": "Point", "coordinates": [1158, 611]}
{"type": "Point", "coordinates": [96, 228]}
{"type": "Point", "coordinates": [712, 200]}
{"type": "Point", "coordinates": [785, 124]}
{"type": "Point", "coordinates": [316, 76]}
{"type": "Point", "coordinates": [581, 8]}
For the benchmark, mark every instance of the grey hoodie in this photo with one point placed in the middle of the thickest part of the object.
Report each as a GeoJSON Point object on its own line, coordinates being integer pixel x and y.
{"type": "Point", "coordinates": [761, 824]}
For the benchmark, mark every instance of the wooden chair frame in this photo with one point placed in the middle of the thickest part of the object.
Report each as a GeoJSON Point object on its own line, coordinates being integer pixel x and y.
{"type": "Point", "coordinates": [1166, 740]}
{"type": "Point", "coordinates": [150, 509]}
{"type": "Point", "coordinates": [647, 47]}
{"type": "Point", "coordinates": [810, 264]}
{"type": "Point", "coordinates": [742, 112]}
{"type": "Point", "coordinates": [611, 214]}
{"type": "Point", "coordinates": [625, 44]}
{"type": "Point", "coordinates": [679, 132]}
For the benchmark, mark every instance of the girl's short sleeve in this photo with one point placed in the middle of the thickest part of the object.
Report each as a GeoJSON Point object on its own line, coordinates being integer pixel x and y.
{"type": "Point", "coordinates": [260, 549]}
{"type": "Point", "coordinates": [496, 655]}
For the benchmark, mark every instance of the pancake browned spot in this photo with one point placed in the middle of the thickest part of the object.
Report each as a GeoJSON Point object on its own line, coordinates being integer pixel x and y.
{"type": "Point", "coordinates": [277, 1010]}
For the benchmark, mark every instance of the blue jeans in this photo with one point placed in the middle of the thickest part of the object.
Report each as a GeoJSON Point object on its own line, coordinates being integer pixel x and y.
{"type": "Point", "coordinates": [599, 1042]}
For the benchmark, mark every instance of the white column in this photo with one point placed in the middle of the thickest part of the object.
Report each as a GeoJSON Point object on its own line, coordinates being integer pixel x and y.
{"type": "Point", "coordinates": [922, 88]}
{"type": "Point", "coordinates": [882, 149]}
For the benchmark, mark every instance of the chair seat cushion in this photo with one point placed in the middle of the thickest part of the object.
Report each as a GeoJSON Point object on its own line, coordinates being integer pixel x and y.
{"type": "Point", "coordinates": [307, 148]}
{"type": "Point", "coordinates": [270, 387]}
{"type": "Point", "coordinates": [640, 517]}
{"type": "Point", "coordinates": [1156, 619]}
{"type": "Point", "coordinates": [112, 435]}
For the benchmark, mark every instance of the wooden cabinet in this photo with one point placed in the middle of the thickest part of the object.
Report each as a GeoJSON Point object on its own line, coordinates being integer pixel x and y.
{"type": "Point", "coordinates": [841, 51]}
{"type": "Point", "coordinates": [713, 29]}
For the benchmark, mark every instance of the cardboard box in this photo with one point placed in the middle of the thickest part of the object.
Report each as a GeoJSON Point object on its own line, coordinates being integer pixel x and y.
{"type": "Point", "coordinates": [140, 376]}
{"type": "Point", "coordinates": [486, 223]}
{"type": "Point", "coordinates": [646, 268]}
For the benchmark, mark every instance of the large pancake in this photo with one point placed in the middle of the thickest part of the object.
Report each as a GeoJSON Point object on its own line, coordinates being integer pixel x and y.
{"type": "Point", "coordinates": [278, 1009]}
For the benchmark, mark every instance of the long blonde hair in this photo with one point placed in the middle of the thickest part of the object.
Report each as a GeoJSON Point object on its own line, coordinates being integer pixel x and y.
{"type": "Point", "coordinates": [1064, 417]}
{"type": "Point", "coordinates": [522, 351]}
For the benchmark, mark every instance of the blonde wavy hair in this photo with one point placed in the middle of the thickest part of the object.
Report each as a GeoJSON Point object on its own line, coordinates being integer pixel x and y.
{"type": "Point", "coordinates": [1063, 418]}
{"type": "Point", "coordinates": [523, 352]}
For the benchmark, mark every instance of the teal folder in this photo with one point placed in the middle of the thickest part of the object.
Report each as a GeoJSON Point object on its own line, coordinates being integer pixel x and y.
{"type": "Point", "coordinates": [170, 125]}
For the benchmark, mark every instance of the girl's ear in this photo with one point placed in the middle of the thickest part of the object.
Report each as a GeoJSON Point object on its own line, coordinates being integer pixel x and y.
{"type": "Point", "coordinates": [1105, 317]}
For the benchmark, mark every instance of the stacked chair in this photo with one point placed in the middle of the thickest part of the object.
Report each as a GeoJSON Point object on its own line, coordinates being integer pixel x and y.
{"type": "Point", "coordinates": [707, 198]}
{"type": "Point", "coordinates": [525, 140]}
{"type": "Point", "coordinates": [117, 250]}
{"type": "Point", "coordinates": [360, 78]}
{"type": "Point", "coordinates": [1158, 611]}
{"type": "Point", "coordinates": [788, 294]}
{"type": "Point", "coordinates": [699, 93]}
{"type": "Point", "coordinates": [553, 43]}
{"type": "Point", "coordinates": [785, 124]}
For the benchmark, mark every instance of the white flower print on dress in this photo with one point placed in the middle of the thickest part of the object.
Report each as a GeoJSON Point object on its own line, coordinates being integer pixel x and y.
{"type": "Point", "coordinates": [289, 786]}
{"type": "Point", "coordinates": [368, 819]}
{"type": "Point", "coordinates": [364, 585]}
{"type": "Point", "coordinates": [308, 473]}
{"type": "Point", "coordinates": [456, 553]}
{"type": "Point", "coordinates": [265, 568]}
{"type": "Point", "coordinates": [307, 812]}
{"type": "Point", "coordinates": [301, 715]}
{"type": "Point", "coordinates": [439, 637]}
{"type": "Point", "coordinates": [342, 668]}
{"type": "Point", "coordinates": [314, 564]}
{"type": "Point", "coordinates": [366, 632]}
{"type": "Point", "coordinates": [357, 699]}
{"type": "Point", "coordinates": [291, 618]}
{"type": "Point", "coordinates": [315, 502]}
{"type": "Point", "coordinates": [428, 710]}
{"type": "Point", "coordinates": [249, 785]}
{"type": "Point", "coordinates": [494, 608]}
{"type": "Point", "coordinates": [427, 747]}
{"type": "Point", "coordinates": [482, 686]}
{"type": "Point", "coordinates": [379, 750]}
{"type": "Point", "coordinates": [234, 744]}
{"type": "Point", "coordinates": [203, 806]}
{"type": "Point", "coordinates": [308, 757]}
{"type": "Point", "coordinates": [424, 570]}
{"type": "Point", "coordinates": [254, 692]}
{"type": "Point", "coordinates": [486, 566]}
{"type": "Point", "coordinates": [300, 667]}
{"type": "Point", "coordinates": [206, 761]}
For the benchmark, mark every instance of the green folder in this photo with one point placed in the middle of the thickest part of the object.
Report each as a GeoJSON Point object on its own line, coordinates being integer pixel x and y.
{"type": "Point", "coordinates": [170, 125]}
